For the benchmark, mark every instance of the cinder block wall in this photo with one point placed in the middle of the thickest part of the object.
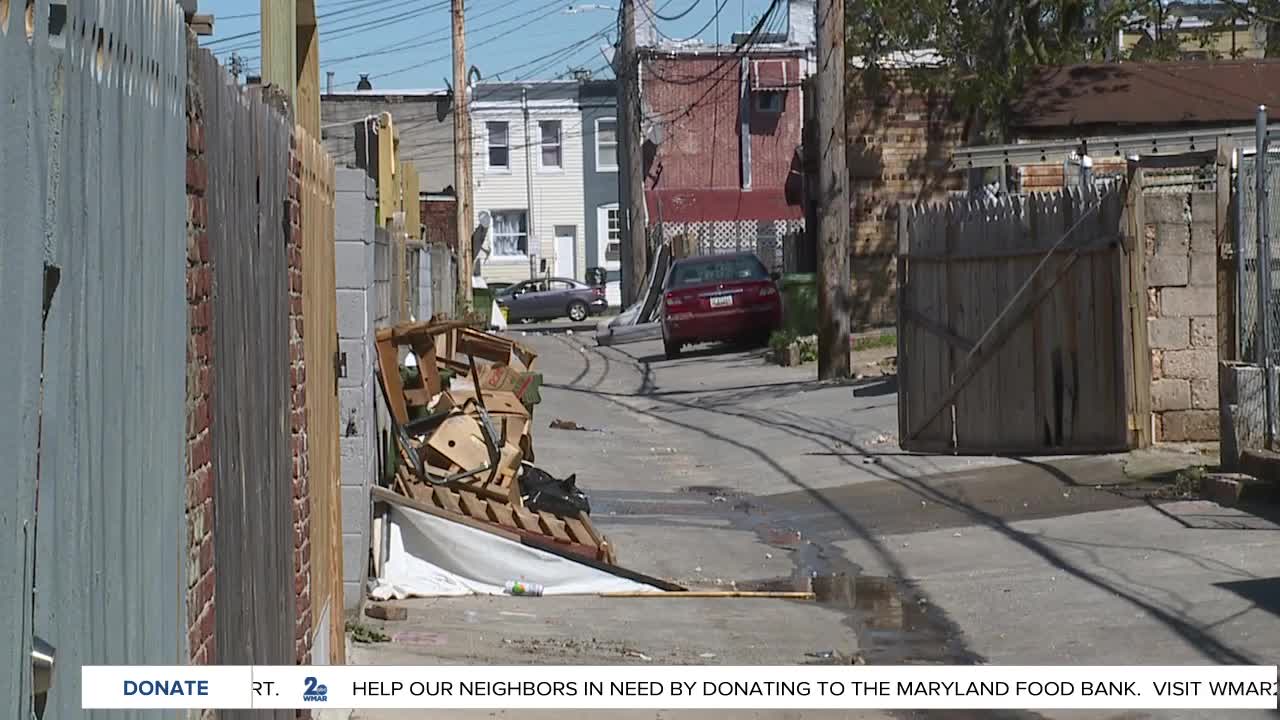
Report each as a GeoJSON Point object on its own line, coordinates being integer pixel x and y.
{"type": "Point", "coordinates": [354, 264]}
{"type": "Point", "coordinates": [1182, 314]}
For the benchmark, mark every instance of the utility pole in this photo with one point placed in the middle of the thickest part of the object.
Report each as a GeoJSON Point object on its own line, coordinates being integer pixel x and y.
{"type": "Point", "coordinates": [630, 163]}
{"type": "Point", "coordinates": [462, 157]}
{"type": "Point", "coordinates": [832, 196]}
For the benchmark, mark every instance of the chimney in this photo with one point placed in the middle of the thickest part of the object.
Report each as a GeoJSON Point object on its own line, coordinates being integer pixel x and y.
{"type": "Point", "coordinates": [802, 19]}
{"type": "Point", "coordinates": [364, 83]}
{"type": "Point", "coordinates": [646, 31]}
{"type": "Point", "coordinates": [329, 82]}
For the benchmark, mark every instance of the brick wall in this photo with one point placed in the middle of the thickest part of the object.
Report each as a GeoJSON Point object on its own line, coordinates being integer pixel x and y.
{"type": "Point", "coordinates": [899, 148]}
{"type": "Point", "coordinates": [441, 220]}
{"type": "Point", "coordinates": [298, 418]}
{"type": "Point", "coordinates": [199, 509]}
{"type": "Point", "coordinates": [1182, 314]}
{"type": "Point", "coordinates": [1046, 177]}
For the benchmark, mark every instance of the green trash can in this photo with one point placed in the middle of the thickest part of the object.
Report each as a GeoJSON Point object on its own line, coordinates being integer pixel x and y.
{"type": "Point", "coordinates": [482, 304]}
{"type": "Point", "coordinates": [800, 303]}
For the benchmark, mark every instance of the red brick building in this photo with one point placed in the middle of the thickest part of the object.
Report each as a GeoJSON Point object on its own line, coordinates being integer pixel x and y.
{"type": "Point", "coordinates": [722, 146]}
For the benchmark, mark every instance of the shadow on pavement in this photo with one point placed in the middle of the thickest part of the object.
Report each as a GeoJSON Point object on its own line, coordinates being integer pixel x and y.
{"type": "Point", "coordinates": [1196, 637]}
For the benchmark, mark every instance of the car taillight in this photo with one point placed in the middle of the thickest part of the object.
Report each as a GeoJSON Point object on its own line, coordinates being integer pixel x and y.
{"type": "Point", "coordinates": [768, 290]}
{"type": "Point", "coordinates": [674, 300]}
{"type": "Point", "coordinates": [597, 291]}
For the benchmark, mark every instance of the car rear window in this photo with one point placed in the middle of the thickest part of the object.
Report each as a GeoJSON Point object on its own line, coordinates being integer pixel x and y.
{"type": "Point", "coordinates": [718, 270]}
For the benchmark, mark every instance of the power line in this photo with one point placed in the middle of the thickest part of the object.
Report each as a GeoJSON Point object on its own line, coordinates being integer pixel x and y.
{"type": "Point", "coordinates": [351, 8]}
{"type": "Point", "coordinates": [362, 27]}
{"type": "Point", "coordinates": [655, 14]}
{"type": "Point", "coordinates": [555, 8]}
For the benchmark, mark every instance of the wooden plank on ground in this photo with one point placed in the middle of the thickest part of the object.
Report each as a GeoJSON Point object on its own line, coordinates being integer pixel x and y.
{"type": "Point", "coordinates": [474, 505]}
{"type": "Point", "coordinates": [578, 532]}
{"type": "Point", "coordinates": [502, 513]}
{"type": "Point", "coordinates": [389, 367]}
{"type": "Point", "coordinates": [554, 526]}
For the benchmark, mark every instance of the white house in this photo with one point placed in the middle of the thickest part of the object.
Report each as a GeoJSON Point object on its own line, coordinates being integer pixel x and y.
{"type": "Point", "coordinates": [527, 174]}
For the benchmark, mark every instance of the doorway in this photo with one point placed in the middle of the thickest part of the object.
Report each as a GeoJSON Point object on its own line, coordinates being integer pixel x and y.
{"type": "Point", "coordinates": [566, 247]}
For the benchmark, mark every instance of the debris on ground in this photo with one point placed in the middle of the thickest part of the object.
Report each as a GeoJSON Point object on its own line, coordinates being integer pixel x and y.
{"type": "Point", "coordinates": [559, 424]}
{"type": "Point", "coordinates": [884, 439]}
{"type": "Point", "coordinates": [462, 402]}
{"type": "Point", "coordinates": [364, 634]}
{"type": "Point", "coordinates": [386, 612]}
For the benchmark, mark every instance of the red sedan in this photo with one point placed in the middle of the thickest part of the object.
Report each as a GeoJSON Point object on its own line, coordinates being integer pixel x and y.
{"type": "Point", "coordinates": [719, 297]}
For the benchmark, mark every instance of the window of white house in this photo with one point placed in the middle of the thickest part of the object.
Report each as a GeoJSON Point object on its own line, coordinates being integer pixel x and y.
{"type": "Point", "coordinates": [510, 230]}
{"type": "Point", "coordinates": [606, 144]}
{"type": "Point", "coordinates": [551, 147]}
{"type": "Point", "coordinates": [613, 245]}
{"type": "Point", "coordinates": [499, 145]}
{"type": "Point", "coordinates": [769, 101]}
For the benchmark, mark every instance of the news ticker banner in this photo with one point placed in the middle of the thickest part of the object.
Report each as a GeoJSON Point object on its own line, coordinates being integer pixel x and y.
{"type": "Point", "coordinates": [985, 687]}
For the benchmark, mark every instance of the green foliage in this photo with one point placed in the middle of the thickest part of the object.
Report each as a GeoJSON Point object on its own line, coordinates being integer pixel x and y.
{"type": "Point", "coordinates": [989, 48]}
{"type": "Point", "coordinates": [362, 633]}
{"type": "Point", "coordinates": [780, 340]}
{"type": "Point", "coordinates": [808, 348]}
{"type": "Point", "coordinates": [882, 340]}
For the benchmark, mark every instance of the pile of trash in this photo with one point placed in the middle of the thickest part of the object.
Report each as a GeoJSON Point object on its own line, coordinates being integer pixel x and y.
{"type": "Point", "coordinates": [466, 510]}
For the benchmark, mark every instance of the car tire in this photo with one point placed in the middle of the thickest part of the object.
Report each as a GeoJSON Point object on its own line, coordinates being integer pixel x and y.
{"type": "Point", "coordinates": [671, 349]}
{"type": "Point", "coordinates": [578, 311]}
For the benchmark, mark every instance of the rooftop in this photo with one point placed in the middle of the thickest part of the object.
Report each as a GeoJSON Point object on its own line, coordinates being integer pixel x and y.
{"type": "Point", "coordinates": [1148, 94]}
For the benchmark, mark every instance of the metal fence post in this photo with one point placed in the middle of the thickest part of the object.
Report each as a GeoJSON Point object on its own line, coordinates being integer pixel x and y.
{"type": "Point", "coordinates": [1264, 272]}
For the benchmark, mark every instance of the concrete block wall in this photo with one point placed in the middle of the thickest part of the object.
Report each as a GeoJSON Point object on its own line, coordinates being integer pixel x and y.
{"type": "Point", "coordinates": [357, 387]}
{"type": "Point", "coordinates": [1182, 315]}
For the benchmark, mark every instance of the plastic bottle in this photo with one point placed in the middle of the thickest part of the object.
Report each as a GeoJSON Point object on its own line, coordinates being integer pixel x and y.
{"type": "Point", "coordinates": [520, 587]}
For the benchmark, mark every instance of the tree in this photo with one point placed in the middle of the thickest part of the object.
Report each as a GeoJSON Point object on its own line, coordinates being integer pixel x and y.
{"type": "Point", "coordinates": [989, 48]}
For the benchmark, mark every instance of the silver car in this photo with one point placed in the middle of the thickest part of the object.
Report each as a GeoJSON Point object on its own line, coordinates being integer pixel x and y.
{"type": "Point", "coordinates": [550, 298]}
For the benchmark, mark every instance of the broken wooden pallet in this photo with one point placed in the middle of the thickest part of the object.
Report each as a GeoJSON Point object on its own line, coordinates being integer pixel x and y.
{"type": "Point", "coordinates": [461, 504]}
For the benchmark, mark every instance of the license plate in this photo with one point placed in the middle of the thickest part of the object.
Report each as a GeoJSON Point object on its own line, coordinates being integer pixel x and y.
{"type": "Point", "coordinates": [722, 301]}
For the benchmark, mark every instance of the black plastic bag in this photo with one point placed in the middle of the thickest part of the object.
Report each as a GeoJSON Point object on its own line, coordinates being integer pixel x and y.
{"type": "Point", "coordinates": [543, 492]}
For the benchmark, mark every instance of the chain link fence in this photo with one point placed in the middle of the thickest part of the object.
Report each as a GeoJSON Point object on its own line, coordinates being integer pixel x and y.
{"type": "Point", "coordinates": [1257, 301]}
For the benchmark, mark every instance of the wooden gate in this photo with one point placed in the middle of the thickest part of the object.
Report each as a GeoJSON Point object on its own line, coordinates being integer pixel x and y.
{"type": "Point", "coordinates": [1014, 325]}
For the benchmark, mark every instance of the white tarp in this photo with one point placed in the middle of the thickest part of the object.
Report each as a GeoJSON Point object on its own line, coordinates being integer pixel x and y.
{"type": "Point", "coordinates": [431, 556]}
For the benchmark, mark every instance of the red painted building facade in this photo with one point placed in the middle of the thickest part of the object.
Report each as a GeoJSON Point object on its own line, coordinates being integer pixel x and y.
{"type": "Point", "coordinates": [723, 145]}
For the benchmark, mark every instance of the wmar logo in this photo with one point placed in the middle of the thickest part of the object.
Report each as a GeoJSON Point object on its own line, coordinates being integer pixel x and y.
{"type": "Point", "coordinates": [314, 691]}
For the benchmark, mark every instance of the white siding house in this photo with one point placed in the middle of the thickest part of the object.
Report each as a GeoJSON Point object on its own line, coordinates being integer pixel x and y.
{"type": "Point", "coordinates": [528, 175]}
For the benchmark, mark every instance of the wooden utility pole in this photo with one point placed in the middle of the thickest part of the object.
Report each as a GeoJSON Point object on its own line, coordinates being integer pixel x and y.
{"type": "Point", "coordinates": [462, 157]}
{"type": "Point", "coordinates": [832, 196]}
{"type": "Point", "coordinates": [630, 162]}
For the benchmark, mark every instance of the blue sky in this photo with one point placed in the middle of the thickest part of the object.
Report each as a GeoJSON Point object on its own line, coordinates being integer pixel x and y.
{"type": "Point", "coordinates": [404, 44]}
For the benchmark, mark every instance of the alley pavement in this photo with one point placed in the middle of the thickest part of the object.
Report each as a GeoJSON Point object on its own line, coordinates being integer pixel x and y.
{"type": "Point", "coordinates": [718, 470]}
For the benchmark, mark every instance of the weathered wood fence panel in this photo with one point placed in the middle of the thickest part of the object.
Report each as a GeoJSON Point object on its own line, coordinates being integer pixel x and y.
{"type": "Point", "coordinates": [247, 149]}
{"type": "Point", "coordinates": [320, 336]}
{"type": "Point", "coordinates": [1012, 325]}
{"type": "Point", "coordinates": [107, 195]}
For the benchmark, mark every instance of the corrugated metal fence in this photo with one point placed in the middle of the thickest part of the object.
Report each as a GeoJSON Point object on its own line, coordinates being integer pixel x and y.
{"type": "Point", "coordinates": [94, 139]}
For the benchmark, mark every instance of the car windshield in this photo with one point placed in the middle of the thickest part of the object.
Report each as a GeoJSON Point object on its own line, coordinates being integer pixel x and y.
{"type": "Point", "coordinates": [718, 270]}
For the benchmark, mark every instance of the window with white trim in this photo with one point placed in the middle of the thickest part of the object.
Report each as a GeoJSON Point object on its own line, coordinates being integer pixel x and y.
{"type": "Point", "coordinates": [606, 144]}
{"type": "Point", "coordinates": [551, 157]}
{"type": "Point", "coordinates": [510, 230]}
{"type": "Point", "coordinates": [499, 145]}
{"type": "Point", "coordinates": [613, 242]}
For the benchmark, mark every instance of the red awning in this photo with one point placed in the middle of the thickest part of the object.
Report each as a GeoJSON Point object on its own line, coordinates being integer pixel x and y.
{"type": "Point", "coordinates": [720, 205]}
